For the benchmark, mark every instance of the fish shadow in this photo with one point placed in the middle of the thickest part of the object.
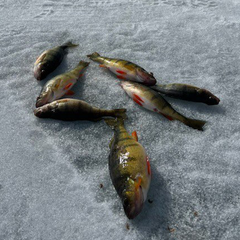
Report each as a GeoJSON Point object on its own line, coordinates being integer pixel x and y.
{"type": "Point", "coordinates": [154, 218]}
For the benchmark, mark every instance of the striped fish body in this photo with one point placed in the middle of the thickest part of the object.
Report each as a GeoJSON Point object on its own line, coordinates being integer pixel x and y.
{"type": "Point", "coordinates": [60, 85]}
{"type": "Point", "coordinates": [151, 100]}
{"type": "Point", "coordinates": [73, 109]}
{"type": "Point", "coordinates": [49, 60]}
{"type": "Point", "coordinates": [187, 92]}
{"type": "Point", "coordinates": [125, 70]}
{"type": "Point", "coordinates": [129, 169]}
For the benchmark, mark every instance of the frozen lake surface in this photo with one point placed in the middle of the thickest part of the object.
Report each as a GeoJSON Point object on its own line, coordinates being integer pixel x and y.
{"type": "Point", "coordinates": [51, 171]}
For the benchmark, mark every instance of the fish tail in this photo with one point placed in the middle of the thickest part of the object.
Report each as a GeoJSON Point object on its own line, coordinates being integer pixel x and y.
{"type": "Point", "coordinates": [120, 113]}
{"type": "Point", "coordinates": [69, 45]}
{"type": "Point", "coordinates": [194, 123]}
{"type": "Point", "coordinates": [93, 56]}
{"type": "Point", "coordinates": [114, 123]}
{"type": "Point", "coordinates": [83, 63]}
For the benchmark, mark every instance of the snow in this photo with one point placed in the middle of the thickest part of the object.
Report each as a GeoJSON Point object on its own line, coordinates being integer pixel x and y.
{"type": "Point", "coordinates": [51, 171]}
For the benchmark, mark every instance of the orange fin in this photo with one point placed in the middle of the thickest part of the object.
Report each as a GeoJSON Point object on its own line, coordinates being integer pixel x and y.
{"type": "Point", "coordinates": [138, 183]}
{"type": "Point", "coordinates": [137, 97]}
{"type": "Point", "coordinates": [103, 66]}
{"type": "Point", "coordinates": [120, 77]}
{"type": "Point", "coordinates": [69, 92]}
{"type": "Point", "coordinates": [68, 86]}
{"type": "Point", "coordinates": [168, 117]}
{"type": "Point", "coordinates": [137, 101]}
{"type": "Point", "coordinates": [148, 166]}
{"type": "Point", "coordinates": [135, 136]}
{"type": "Point", "coordinates": [121, 72]}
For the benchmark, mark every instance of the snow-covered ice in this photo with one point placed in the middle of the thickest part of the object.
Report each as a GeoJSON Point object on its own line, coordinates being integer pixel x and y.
{"type": "Point", "coordinates": [51, 171]}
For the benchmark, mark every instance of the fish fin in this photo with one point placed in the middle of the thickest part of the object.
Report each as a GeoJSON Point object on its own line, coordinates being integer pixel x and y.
{"type": "Point", "coordinates": [111, 143]}
{"type": "Point", "coordinates": [137, 101]}
{"type": "Point", "coordinates": [194, 123]}
{"type": "Point", "coordinates": [138, 182]}
{"type": "Point", "coordinates": [134, 135]}
{"type": "Point", "coordinates": [120, 113]}
{"type": "Point", "coordinates": [148, 166]}
{"type": "Point", "coordinates": [121, 72]}
{"type": "Point", "coordinates": [102, 66]}
{"type": "Point", "coordinates": [93, 55]}
{"type": "Point", "coordinates": [69, 92]}
{"type": "Point", "coordinates": [83, 63]}
{"type": "Point", "coordinates": [67, 86]}
{"type": "Point", "coordinates": [112, 123]}
{"type": "Point", "coordinates": [69, 45]}
{"type": "Point", "coordinates": [137, 97]}
{"type": "Point", "coordinates": [120, 77]}
{"type": "Point", "coordinates": [168, 117]}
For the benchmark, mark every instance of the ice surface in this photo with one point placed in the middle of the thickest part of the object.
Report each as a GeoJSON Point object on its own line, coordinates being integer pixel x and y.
{"type": "Point", "coordinates": [51, 171]}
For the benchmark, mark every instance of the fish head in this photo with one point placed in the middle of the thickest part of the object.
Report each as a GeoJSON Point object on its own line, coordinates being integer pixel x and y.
{"type": "Point", "coordinates": [133, 197]}
{"type": "Point", "coordinates": [46, 96]}
{"type": "Point", "coordinates": [128, 86]}
{"type": "Point", "coordinates": [208, 97]}
{"type": "Point", "coordinates": [145, 77]}
{"type": "Point", "coordinates": [46, 110]}
{"type": "Point", "coordinates": [40, 70]}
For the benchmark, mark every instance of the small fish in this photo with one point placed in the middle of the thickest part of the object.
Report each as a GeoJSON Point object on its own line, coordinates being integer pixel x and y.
{"type": "Point", "coordinates": [50, 59]}
{"type": "Point", "coordinates": [124, 69]}
{"type": "Point", "coordinates": [151, 100]}
{"type": "Point", "coordinates": [129, 168]}
{"type": "Point", "coordinates": [187, 92]}
{"type": "Point", "coordinates": [61, 85]}
{"type": "Point", "coordinates": [73, 110]}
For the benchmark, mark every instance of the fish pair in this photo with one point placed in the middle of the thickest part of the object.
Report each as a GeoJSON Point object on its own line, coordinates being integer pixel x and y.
{"type": "Point", "coordinates": [147, 97]}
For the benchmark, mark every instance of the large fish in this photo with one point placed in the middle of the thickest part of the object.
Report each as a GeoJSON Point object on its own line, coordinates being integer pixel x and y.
{"type": "Point", "coordinates": [73, 109]}
{"type": "Point", "coordinates": [49, 60]}
{"type": "Point", "coordinates": [187, 92]}
{"type": "Point", "coordinates": [124, 69]}
{"type": "Point", "coordinates": [61, 85]}
{"type": "Point", "coordinates": [129, 168]}
{"type": "Point", "coordinates": [151, 100]}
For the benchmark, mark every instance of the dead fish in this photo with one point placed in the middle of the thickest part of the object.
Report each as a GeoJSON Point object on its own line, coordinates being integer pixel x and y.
{"type": "Point", "coordinates": [151, 100]}
{"type": "Point", "coordinates": [61, 85]}
{"type": "Point", "coordinates": [187, 92]}
{"type": "Point", "coordinates": [124, 69]}
{"type": "Point", "coordinates": [73, 109]}
{"type": "Point", "coordinates": [129, 168]}
{"type": "Point", "coordinates": [50, 59]}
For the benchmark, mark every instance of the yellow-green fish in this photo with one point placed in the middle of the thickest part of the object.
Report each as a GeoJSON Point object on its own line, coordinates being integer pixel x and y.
{"type": "Point", "coordinates": [124, 69]}
{"type": "Point", "coordinates": [151, 100]}
{"type": "Point", "coordinates": [187, 92]}
{"type": "Point", "coordinates": [50, 59]}
{"type": "Point", "coordinates": [61, 85]}
{"type": "Point", "coordinates": [73, 110]}
{"type": "Point", "coordinates": [129, 168]}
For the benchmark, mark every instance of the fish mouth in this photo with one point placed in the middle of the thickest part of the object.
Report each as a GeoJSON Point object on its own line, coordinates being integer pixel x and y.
{"type": "Point", "coordinates": [44, 98]}
{"type": "Point", "coordinates": [39, 73]}
{"type": "Point", "coordinates": [38, 112]}
{"type": "Point", "coordinates": [133, 208]}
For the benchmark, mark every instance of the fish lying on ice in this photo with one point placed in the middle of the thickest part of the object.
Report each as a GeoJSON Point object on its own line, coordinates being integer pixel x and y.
{"type": "Point", "coordinates": [151, 100]}
{"type": "Point", "coordinates": [129, 168]}
{"type": "Point", "coordinates": [187, 92]}
{"type": "Point", "coordinates": [73, 109]}
{"type": "Point", "coordinates": [61, 85]}
{"type": "Point", "coordinates": [50, 59]}
{"type": "Point", "coordinates": [124, 69]}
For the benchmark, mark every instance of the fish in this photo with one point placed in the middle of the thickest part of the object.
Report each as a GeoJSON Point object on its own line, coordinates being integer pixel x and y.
{"type": "Point", "coordinates": [73, 109]}
{"type": "Point", "coordinates": [49, 60]}
{"type": "Point", "coordinates": [124, 70]}
{"type": "Point", "coordinates": [187, 92]}
{"type": "Point", "coordinates": [153, 101]}
{"type": "Point", "coordinates": [129, 168]}
{"type": "Point", "coordinates": [61, 85]}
